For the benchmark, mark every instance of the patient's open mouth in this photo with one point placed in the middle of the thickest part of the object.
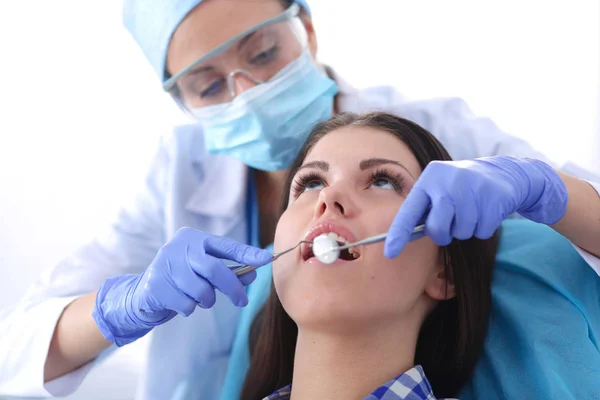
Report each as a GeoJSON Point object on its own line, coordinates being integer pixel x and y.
{"type": "Point", "coordinates": [349, 254]}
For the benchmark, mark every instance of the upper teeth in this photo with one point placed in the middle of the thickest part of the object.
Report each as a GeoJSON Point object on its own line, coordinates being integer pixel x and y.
{"type": "Point", "coordinates": [337, 237]}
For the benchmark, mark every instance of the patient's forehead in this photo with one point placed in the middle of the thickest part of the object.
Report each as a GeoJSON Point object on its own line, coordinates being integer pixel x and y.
{"type": "Point", "coordinates": [347, 146]}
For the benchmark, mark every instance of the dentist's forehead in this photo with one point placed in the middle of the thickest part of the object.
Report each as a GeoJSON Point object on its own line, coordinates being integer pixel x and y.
{"type": "Point", "coordinates": [152, 22]}
{"type": "Point", "coordinates": [214, 22]}
{"type": "Point", "coordinates": [346, 147]}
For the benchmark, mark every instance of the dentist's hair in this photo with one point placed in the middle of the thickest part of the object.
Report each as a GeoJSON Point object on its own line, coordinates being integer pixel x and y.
{"type": "Point", "coordinates": [452, 336]}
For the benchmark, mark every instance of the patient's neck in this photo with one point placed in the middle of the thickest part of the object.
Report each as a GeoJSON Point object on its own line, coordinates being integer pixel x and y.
{"type": "Point", "coordinates": [350, 365]}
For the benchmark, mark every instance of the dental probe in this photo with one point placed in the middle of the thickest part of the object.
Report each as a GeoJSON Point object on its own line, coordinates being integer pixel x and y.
{"type": "Point", "coordinates": [326, 249]}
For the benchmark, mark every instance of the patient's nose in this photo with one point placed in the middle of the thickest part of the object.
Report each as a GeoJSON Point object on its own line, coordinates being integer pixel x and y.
{"type": "Point", "coordinates": [330, 202]}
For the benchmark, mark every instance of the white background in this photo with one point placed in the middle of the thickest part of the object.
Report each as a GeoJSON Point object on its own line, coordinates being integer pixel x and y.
{"type": "Point", "coordinates": [80, 110]}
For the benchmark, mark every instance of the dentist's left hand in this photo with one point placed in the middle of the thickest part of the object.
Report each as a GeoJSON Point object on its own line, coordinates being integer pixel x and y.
{"type": "Point", "coordinates": [462, 199]}
{"type": "Point", "coordinates": [184, 274]}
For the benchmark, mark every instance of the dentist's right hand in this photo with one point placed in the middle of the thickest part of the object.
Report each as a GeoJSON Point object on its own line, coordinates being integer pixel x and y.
{"type": "Point", "coordinates": [183, 275]}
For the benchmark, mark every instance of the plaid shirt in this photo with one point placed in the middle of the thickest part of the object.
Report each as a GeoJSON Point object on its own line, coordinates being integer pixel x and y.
{"type": "Point", "coordinates": [411, 385]}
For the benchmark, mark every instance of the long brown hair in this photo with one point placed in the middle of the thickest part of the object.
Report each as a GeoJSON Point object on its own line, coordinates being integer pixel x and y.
{"type": "Point", "coordinates": [452, 336]}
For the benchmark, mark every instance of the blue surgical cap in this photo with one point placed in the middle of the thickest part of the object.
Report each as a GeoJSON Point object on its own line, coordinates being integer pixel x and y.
{"type": "Point", "coordinates": [152, 23]}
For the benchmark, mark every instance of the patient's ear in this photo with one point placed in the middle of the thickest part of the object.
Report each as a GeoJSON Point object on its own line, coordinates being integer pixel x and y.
{"type": "Point", "coordinates": [441, 285]}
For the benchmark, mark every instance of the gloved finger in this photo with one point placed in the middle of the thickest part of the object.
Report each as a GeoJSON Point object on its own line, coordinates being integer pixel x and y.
{"type": "Point", "coordinates": [438, 225]}
{"type": "Point", "coordinates": [411, 212]}
{"type": "Point", "coordinates": [247, 278]}
{"type": "Point", "coordinates": [466, 215]}
{"type": "Point", "coordinates": [488, 225]}
{"type": "Point", "coordinates": [226, 248]}
{"type": "Point", "coordinates": [221, 277]}
{"type": "Point", "coordinates": [194, 286]}
{"type": "Point", "coordinates": [169, 297]}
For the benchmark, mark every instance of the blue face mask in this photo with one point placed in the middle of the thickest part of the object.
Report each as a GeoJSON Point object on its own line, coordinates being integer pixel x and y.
{"type": "Point", "coordinates": [266, 126]}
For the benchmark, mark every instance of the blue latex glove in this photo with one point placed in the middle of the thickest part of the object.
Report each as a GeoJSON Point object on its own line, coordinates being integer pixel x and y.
{"type": "Point", "coordinates": [183, 275]}
{"type": "Point", "coordinates": [471, 198]}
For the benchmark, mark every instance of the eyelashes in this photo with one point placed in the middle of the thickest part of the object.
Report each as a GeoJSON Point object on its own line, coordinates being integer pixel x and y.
{"type": "Point", "coordinates": [396, 180]}
{"type": "Point", "coordinates": [302, 182]}
{"type": "Point", "coordinates": [312, 180]}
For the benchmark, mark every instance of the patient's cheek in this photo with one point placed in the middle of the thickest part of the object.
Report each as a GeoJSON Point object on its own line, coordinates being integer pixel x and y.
{"type": "Point", "coordinates": [279, 276]}
{"type": "Point", "coordinates": [423, 249]}
{"type": "Point", "coordinates": [283, 281]}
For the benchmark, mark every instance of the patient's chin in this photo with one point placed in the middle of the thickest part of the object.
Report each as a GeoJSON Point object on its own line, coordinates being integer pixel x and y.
{"type": "Point", "coordinates": [332, 298]}
{"type": "Point", "coordinates": [330, 312]}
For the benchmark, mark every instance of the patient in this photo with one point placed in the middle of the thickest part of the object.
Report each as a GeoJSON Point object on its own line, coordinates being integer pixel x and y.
{"type": "Point", "coordinates": [367, 327]}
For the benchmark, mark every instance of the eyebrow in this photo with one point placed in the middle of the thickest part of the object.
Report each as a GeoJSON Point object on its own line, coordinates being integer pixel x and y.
{"type": "Point", "coordinates": [376, 162]}
{"type": "Point", "coordinates": [242, 43]}
{"type": "Point", "coordinates": [199, 70]}
{"type": "Point", "coordinates": [322, 165]}
{"type": "Point", "coordinates": [245, 40]}
{"type": "Point", "coordinates": [363, 165]}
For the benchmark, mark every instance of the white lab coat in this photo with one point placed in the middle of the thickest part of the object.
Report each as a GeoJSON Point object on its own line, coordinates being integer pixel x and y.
{"type": "Point", "coordinates": [188, 187]}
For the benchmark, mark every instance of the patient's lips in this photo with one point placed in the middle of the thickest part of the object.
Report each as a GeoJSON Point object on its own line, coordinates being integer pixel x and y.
{"type": "Point", "coordinates": [331, 233]}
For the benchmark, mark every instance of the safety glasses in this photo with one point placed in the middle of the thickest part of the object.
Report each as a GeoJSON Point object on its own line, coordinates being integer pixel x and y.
{"type": "Point", "coordinates": [255, 55]}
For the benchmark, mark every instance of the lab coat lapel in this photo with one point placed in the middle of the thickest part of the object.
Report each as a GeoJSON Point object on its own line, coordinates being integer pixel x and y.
{"type": "Point", "coordinates": [215, 202]}
{"type": "Point", "coordinates": [220, 198]}
{"type": "Point", "coordinates": [347, 98]}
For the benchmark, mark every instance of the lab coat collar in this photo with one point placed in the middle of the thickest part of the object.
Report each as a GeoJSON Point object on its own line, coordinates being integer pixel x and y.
{"type": "Point", "coordinates": [344, 88]}
{"type": "Point", "coordinates": [348, 98]}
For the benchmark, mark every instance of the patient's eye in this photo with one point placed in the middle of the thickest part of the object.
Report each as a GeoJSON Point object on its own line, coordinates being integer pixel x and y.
{"type": "Point", "coordinates": [312, 185]}
{"type": "Point", "coordinates": [307, 182]}
{"type": "Point", "coordinates": [383, 179]}
{"type": "Point", "coordinates": [384, 183]}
